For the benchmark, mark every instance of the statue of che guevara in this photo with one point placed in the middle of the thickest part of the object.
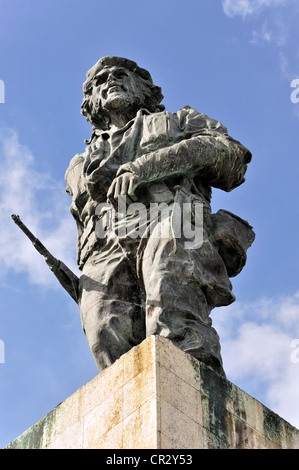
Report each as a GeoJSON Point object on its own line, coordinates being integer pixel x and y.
{"type": "Point", "coordinates": [132, 287]}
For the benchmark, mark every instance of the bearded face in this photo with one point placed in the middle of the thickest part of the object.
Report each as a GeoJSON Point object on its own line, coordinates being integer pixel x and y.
{"type": "Point", "coordinates": [116, 89]}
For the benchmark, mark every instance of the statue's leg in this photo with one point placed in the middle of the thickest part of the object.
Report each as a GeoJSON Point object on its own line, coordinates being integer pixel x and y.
{"type": "Point", "coordinates": [178, 304]}
{"type": "Point", "coordinates": [111, 313]}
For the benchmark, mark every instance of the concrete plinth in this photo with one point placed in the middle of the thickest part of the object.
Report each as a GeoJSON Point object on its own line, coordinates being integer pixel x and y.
{"type": "Point", "coordinates": [158, 397]}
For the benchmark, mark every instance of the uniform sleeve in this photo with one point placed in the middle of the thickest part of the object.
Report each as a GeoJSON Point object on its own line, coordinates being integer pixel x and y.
{"type": "Point", "coordinates": [75, 188]}
{"type": "Point", "coordinates": [206, 150]}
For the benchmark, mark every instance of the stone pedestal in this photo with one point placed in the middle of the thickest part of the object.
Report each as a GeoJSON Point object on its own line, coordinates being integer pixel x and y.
{"type": "Point", "coordinates": [158, 397]}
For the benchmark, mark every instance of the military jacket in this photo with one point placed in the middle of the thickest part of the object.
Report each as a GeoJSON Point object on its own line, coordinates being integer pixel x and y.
{"type": "Point", "coordinates": [163, 147]}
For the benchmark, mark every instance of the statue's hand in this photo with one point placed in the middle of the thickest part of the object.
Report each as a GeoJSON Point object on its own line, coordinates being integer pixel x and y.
{"type": "Point", "coordinates": [122, 185]}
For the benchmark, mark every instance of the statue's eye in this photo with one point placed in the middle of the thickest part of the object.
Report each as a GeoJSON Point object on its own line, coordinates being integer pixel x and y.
{"type": "Point", "coordinates": [121, 74]}
{"type": "Point", "coordinates": [101, 79]}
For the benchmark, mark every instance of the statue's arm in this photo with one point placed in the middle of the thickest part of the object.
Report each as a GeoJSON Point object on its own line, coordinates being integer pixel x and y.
{"type": "Point", "coordinates": [75, 189]}
{"type": "Point", "coordinates": [218, 159]}
{"type": "Point", "coordinates": [205, 150]}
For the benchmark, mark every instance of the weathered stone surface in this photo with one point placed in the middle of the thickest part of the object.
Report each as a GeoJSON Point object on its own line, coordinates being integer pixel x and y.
{"type": "Point", "coordinates": [158, 397]}
{"type": "Point", "coordinates": [141, 284]}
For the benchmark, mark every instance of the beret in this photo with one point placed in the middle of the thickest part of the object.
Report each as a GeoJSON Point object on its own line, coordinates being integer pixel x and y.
{"type": "Point", "coordinates": [110, 61]}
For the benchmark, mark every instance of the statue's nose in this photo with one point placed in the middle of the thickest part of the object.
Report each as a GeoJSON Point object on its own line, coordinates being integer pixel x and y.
{"type": "Point", "coordinates": [111, 77]}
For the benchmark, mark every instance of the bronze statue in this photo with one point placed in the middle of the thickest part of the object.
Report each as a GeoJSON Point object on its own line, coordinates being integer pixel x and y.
{"type": "Point", "coordinates": [131, 286]}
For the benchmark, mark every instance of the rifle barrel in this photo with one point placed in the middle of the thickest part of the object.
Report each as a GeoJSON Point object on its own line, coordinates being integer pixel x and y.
{"type": "Point", "coordinates": [65, 276]}
{"type": "Point", "coordinates": [36, 242]}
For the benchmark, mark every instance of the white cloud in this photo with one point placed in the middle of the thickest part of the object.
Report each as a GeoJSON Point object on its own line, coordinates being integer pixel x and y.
{"type": "Point", "coordinates": [40, 202]}
{"type": "Point", "coordinates": [264, 35]}
{"type": "Point", "coordinates": [257, 349]}
{"type": "Point", "coordinates": [247, 7]}
{"type": "Point", "coordinates": [278, 30]}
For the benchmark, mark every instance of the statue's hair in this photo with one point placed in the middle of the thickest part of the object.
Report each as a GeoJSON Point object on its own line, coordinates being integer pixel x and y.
{"type": "Point", "coordinates": [96, 115]}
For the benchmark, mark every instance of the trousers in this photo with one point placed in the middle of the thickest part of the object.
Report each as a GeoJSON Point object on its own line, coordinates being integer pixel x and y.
{"type": "Point", "coordinates": [132, 289]}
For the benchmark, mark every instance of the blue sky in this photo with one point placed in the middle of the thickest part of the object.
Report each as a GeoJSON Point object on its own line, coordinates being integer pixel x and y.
{"type": "Point", "coordinates": [231, 59]}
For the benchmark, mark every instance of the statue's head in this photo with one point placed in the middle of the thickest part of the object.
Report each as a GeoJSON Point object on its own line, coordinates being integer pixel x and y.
{"type": "Point", "coordinates": [115, 84]}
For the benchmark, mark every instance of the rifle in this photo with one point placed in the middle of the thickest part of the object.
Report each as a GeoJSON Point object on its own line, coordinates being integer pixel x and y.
{"type": "Point", "coordinates": [65, 276]}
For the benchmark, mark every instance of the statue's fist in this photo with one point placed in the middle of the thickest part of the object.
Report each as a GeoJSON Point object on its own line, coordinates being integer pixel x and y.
{"type": "Point", "coordinates": [123, 185]}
